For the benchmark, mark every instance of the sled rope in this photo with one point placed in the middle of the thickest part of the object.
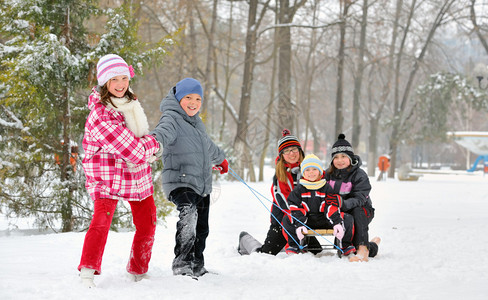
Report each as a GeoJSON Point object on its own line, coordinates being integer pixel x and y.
{"type": "Point", "coordinates": [256, 193]}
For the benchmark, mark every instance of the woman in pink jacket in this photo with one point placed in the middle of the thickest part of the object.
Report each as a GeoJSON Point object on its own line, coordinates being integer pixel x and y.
{"type": "Point", "coordinates": [117, 151]}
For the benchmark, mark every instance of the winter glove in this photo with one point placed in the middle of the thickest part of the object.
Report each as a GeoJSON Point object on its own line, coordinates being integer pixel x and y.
{"type": "Point", "coordinates": [223, 167]}
{"type": "Point", "coordinates": [338, 231]}
{"type": "Point", "coordinates": [300, 231]}
{"type": "Point", "coordinates": [160, 151]}
{"type": "Point", "coordinates": [156, 155]}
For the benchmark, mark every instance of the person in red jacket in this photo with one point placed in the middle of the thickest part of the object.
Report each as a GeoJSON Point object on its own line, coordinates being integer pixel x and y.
{"type": "Point", "coordinates": [118, 149]}
{"type": "Point", "coordinates": [287, 174]}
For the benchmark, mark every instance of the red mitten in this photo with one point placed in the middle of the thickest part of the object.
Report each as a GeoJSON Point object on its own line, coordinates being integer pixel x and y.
{"type": "Point", "coordinates": [300, 231]}
{"type": "Point", "coordinates": [338, 231]}
{"type": "Point", "coordinates": [223, 167]}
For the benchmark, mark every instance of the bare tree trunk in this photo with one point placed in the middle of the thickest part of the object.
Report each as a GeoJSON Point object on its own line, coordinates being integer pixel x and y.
{"type": "Point", "coordinates": [241, 146]}
{"type": "Point", "coordinates": [340, 68]}
{"type": "Point", "coordinates": [188, 38]}
{"type": "Point", "coordinates": [269, 109]}
{"type": "Point", "coordinates": [285, 106]}
{"type": "Point", "coordinates": [193, 56]}
{"type": "Point", "coordinates": [373, 146]}
{"type": "Point", "coordinates": [66, 168]}
{"type": "Point", "coordinates": [208, 70]}
{"type": "Point", "coordinates": [241, 136]}
{"type": "Point", "coordinates": [394, 134]}
{"type": "Point", "coordinates": [476, 26]}
{"type": "Point", "coordinates": [268, 126]}
{"type": "Point", "coordinates": [309, 71]}
{"type": "Point", "coordinates": [356, 107]}
{"type": "Point", "coordinates": [227, 73]}
{"type": "Point", "coordinates": [374, 120]}
{"type": "Point", "coordinates": [399, 113]}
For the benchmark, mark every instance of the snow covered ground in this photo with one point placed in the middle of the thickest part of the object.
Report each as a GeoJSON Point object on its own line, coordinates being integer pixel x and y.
{"type": "Point", "coordinates": [433, 247]}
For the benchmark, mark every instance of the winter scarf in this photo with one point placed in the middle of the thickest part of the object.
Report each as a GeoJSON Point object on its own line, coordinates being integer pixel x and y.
{"type": "Point", "coordinates": [312, 185]}
{"type": "Point", "coordinates": [135, 118]}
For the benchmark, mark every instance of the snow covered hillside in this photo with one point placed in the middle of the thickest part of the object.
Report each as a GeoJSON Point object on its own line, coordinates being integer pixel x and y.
{"type": "Point", "coordinates": [433, 247]}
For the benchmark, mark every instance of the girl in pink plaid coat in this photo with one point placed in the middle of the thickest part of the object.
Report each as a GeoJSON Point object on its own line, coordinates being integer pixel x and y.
{"type": "Point", "coordinates": [118, 150]}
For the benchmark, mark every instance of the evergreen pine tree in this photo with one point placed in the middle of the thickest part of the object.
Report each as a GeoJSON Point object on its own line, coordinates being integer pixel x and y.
{"type": "Point", "coordinates": [47, 58]}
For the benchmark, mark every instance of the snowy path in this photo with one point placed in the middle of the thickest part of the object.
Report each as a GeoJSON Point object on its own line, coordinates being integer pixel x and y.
{"type": "Point", "coordinates": [433, 247]}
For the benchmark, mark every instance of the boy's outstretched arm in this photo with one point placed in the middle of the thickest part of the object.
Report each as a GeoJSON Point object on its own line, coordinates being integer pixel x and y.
{"type": "Point", "coordinates": [165, 130]}
{"type": "Point", "coordinates": [217, 155]}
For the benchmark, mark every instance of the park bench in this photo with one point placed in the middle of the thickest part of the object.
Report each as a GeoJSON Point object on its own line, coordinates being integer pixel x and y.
{"type": "Point", "coordinates": [405, 173]}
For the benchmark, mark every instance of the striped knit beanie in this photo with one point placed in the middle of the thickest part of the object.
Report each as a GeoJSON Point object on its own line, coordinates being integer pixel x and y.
{"type": "Point", "coordinates": [112, 65]}
{"type": "Point", "coordinates": [311, 161]}
{"type": "Point", "coordinates": [288, 140]}
{"type": "Point", "coordinates": [342, 146]}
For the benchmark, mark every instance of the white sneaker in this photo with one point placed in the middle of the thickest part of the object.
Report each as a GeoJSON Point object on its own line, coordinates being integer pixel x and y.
{"type": "Point", "coordinates": [87, 276]}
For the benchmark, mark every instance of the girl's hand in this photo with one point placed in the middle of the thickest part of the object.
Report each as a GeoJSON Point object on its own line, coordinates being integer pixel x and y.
{"type": "Point", "coordinates": [338, 231]}
{"type": "Point", "coordinates": [300, 231]}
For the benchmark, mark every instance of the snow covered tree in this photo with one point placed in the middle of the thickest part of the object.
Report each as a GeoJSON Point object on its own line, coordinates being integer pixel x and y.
{"type": "Point", "coordinates": [443, 104]}
{"type": "Point", "coordinates": [47, 58]}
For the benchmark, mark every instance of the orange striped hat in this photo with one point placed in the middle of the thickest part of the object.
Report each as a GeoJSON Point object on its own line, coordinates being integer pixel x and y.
{"type": "Point", "coordinates": [288, 140]}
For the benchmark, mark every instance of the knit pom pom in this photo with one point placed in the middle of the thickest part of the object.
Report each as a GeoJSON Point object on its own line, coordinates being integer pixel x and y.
{"type": "Point", "coordinates": [341, 136]}
{"type": "Point", "coordinates": [285, 132]}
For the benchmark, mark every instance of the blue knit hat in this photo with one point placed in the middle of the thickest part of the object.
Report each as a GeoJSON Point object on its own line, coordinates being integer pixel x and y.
{"type": "Point", "coordinates": [311, 161]}
{"type": "Point", "coordinates": [188, 86]}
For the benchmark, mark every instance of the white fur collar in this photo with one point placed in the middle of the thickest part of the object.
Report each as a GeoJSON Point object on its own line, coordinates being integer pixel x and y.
{"type": "Point", "coordinates": [134, 115]}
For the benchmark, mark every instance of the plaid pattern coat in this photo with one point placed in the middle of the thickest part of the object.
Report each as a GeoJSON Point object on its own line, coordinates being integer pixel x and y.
{"type": "Point", "coordinates": [115, 161]}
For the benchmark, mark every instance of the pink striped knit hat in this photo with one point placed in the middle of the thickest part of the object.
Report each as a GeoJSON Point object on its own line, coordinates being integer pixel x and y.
{"type": "Point", "coordinates": [112, 65]}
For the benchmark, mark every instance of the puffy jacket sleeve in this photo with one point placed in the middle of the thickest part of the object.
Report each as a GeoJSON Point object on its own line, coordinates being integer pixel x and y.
{"type": "Point", "coordinates": [359, 194]}
{"type": "Point", "coordinates": [217, 155]}
{"type": "Point", "coordinates": [280, 192]}
{"type": "Point", "coordinates": [115, 138]}
{"type": "Point", "coordinates": [165, 131]}
{"type": "Point", "coordinates": [333, 203]}
{"type": "Point", "coordinates": [296, 208]}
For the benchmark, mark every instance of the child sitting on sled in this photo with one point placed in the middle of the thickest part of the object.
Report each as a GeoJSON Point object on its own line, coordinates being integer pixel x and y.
{"type": "Point", "coordinates": [310, 204]}
{"type": "Point", "coordinates": [346, 178]}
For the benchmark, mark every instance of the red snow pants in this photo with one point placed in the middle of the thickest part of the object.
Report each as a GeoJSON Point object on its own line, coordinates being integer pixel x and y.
{"type": "Point", "coordinates": [144, 218]}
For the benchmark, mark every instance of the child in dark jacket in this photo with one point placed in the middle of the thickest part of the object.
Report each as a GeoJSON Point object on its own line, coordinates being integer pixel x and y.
{"type": "Point", "coordinates": [188, 156]}
{"type": "Point", "coordinates": [347, 179]}
{"type": "Point", "coordinates": [310, 204]}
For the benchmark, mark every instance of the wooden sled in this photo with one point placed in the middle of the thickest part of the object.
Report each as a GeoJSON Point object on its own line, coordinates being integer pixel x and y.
{"type": "Point", "coordinates": [322, 244]}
